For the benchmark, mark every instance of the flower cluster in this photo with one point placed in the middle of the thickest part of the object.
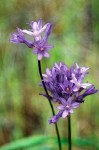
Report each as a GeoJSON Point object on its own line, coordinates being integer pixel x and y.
{"type": "Point", "coordinates": [40, 36]}
{"type": "Point", "coordinates": [66, 85]}
{"type": "Point", "coordinates": [67, 88]}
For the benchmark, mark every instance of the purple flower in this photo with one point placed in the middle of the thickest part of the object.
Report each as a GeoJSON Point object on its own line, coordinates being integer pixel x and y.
{"type": "Point", "coordinates": [82, 70]}
{"type": "Point", "coordinates": [78, 83]}
{"type": "Point", "coordinates": [40, 34]}
{"type": "Point", "coordinates": [67, 106]}
{"type": "Point", "coordinates": [91, 90]}
{"type": "Point", "coordinates": [36, 30]}
{"type": "Point", "coordinates": [20, 38]}
{"type": "Point", "coordinates": [41, 49]}
{"type": "Point", "coordinates": [55, 118]}
{"type": "Point", "coordinates": [67, 88]}
{"type": "Point", "coordinates": [65, 109]}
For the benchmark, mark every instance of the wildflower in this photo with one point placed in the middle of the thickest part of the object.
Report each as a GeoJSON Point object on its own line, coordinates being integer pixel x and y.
{"type": "Point", "coordinates": [67, 88]}
{"type": "Point", "coordinates": [36, 30]}
{"type": "Point", "coordinates": [20, 38]}
{"type": "Point", "coordinates": [65, 109]}
{"type": "Point", "coordinates": [82, 70]}
{"type": "Point", "coordinates": [40, 42]}
{"type": "Point", "coordinates": [78, 83]}
{"type": "Point", "coordinates": [42, 47]}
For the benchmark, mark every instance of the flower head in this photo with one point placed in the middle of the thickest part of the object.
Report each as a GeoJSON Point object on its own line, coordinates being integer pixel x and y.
{"type": "Point", "coordinates": [19, 37]}
{"type": "Point", "coordinates": [67, 88]}
{"type": "Point", "coordinates": [78, 83]}
{"type": "Point", "coordinates": [40, 41]}
{"type": "Point", "coordinates": [36, 29]}
{"type": "Point", "coordinates": [64, 109]}
{"type": "Point", "coordinates": [42, 47]}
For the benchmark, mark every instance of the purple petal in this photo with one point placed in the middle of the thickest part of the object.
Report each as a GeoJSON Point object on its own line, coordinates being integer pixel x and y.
{"type": "Point", "coordinates": [71, 111]}
{"type": "Point", "coordinates": [75, 105]}
{"type": "Point", "coordinates": [40, 23]}
{"type": "Point", "coordinates": [35, 51]}
{"type": "Point", "coordinates": [90, 91]}
{"type": "Point", "coordinates": [65, 114]}
{"type": "Point", "coordinates": [42, 29]}
{"type": "Point", "coordinates": [85, 85]}
{"type": "Point", "coordinates": [28, 32]}
{"type": "Point", "coordinates": [46, 54]}
{"type": "Point", "coordinates": [40, 56]}
{"type": "Point", "coordinates": [69, 101]}
{"type": "Point", "coordinates": [47, 33]}
{"type": "Point", "coordinates": [36, 38]}
{"type": "Point", "coordinates": [49, 47]}
{"type": "Point", "coordinates": [61, 107]}
{"type": "Point", "coordinates": [63, 101]}
{"type": "Point", "coordinates": [75, 89]}
{"type": "Point", "coordinates": [55, 118]}
{"type": "Point", "coordinates": [35, 26]}
{"type": "Point", "coordinates": [48, 72]}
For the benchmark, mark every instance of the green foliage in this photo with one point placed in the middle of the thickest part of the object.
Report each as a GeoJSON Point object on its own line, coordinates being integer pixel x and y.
{"type": "Point", "coordinates": [49, 143]}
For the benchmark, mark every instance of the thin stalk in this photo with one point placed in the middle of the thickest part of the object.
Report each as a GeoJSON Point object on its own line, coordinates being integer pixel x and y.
{"type": "Point", "coordinates": [69, 133]}
{"type": "Point", "coordinates": [57, 131]}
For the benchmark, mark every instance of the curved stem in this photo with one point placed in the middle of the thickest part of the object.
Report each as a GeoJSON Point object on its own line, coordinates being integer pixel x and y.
{"type": "Point", "coordinates": [69, 133]}
{"type": "Point", "coordinates": [40, 72]}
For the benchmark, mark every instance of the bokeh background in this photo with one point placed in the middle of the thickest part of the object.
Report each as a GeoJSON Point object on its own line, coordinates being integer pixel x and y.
{"type": "Point", "coordinates": [24, 113]}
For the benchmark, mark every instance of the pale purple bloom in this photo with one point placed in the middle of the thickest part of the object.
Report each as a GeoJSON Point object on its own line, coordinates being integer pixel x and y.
{"type": "Point", "coordinates": [42, 47]}
{"type": "Point", "coordinates": [78, 83]}
{"type": "Point", "coordinates": [82, 70]}
{"type": "Point", "coordinates": [40, 41]}
{"type": "Point", "coordinates": [19, 37]}
{"type": "Point", "coordinates": [91, 90]}
{"type": "Point", "coordinates": [67, 106]}
{"type": "Point", "coordinates": [55, 118]}
{"type": "Point", "coordinates": [67, 88]}
{"type": "Point", "coordinates": [36, 29]}
{"type": "Point", "coordinates": [65, 109]}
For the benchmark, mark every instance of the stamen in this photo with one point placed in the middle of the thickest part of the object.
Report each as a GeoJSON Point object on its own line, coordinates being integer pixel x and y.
{"type": "Point", "coordinates": [35, 33]}
{"type": "Point", "coordinates": [78, 84]}
{"type": "Point", "coordinates": [67, 89]}
{"type": "Point", "coordinates": [67, 106]}
{"type": "Point", "coordinates": [41, 48]}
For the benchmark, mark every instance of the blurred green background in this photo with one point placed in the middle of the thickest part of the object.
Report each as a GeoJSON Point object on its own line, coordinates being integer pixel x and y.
{"type": "Point", "coordinates": [23, 113]}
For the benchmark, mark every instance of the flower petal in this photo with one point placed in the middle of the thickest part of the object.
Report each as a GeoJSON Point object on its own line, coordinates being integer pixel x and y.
{"type": "Point", "coordinates": [71, 111]}
{"type": "Point", "coordinates": [28, 32]}
{"type": "Point", "coordinates": [61, 107]}
{"type": "Point", "coordinates": [75, 105]}
{"type": "Point", "coordinates": [35, 51]}
{"type": "Point", "coordinates": [75, 89]}
{"type": "Point", "coordinates": [42, 29]}
{"type": "Point", "coordinates": [65, 114]}
{"type": "Point", "coordinates": [40, 56]}
{"type": "Point", "coordinates": [46, 54]}
{"type": "Point", "coordinates": [40, 23]}
{"type": "Point", "coordinates": [85, 85]}
{"type": "Point", "coordinates": [35, 26]}
{"type": "Point", "coordinates": [49, 47]}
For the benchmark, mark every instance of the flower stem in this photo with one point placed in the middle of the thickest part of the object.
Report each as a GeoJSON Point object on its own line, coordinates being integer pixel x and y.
{"type": "Point", "coordinates": [69, 133]}
{"type": "Point", "coordinates": [57, 131]}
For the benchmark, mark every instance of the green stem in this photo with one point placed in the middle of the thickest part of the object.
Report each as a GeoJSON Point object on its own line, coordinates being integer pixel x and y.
{"type": "Point", "coordinates": [69, 133]}
{"type": "Point", "coordinates": [57, 131]}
